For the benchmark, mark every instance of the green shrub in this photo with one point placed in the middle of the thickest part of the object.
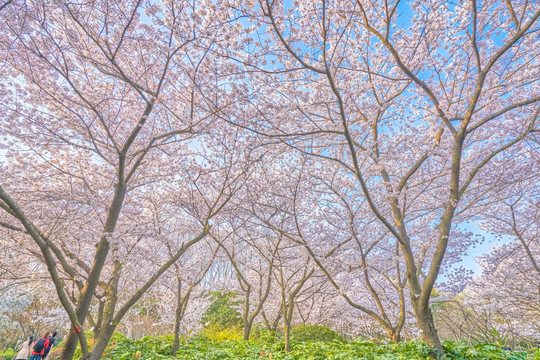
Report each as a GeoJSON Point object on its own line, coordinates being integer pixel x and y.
{"type": "Point", "coordinates": [222, 311]}
{"type": "Point", "coordinates": [118, 336]}
{"type": "Point", "coordinates": [314, 333]}
{"type": "Point", "coordinates": [261, 334]}
{"type": "Point", "coordinates": [8, 354]}
{"type": "Point", "coordinates": [460, 350]}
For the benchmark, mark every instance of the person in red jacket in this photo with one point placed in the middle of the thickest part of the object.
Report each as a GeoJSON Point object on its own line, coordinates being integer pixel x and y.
{"type": "Point", "coordinates": [40, 346]}
{"type": "Point", "coordinates": [52, 340]}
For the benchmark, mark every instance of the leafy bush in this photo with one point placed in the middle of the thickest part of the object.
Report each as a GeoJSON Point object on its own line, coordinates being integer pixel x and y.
{"type": "Point", "coordinates": [145, 348]}
{"type": "Point", "coordinates": [118, 336]}
{"type": "Point", "coordinates": [222, 312]}
{"type": "Point", "coordinates": [459, 350]}
{"type": "Point", "coordinates": [261, 334]}
{"type": "Point", "coordinates": [314, 333]}
{"type": "Point", "coordinates": [8, 354]}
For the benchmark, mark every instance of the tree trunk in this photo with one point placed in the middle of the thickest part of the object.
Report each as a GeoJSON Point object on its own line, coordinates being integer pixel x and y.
{"type": "Point", "coordinates": [108, 323]}
{"type": "Point", "coordinates": [247, 330]}
{"type": "Point", "coordinates": [85, 299]}
{"type": "Point", "coordinates": [104, 338]}
{"type": "Point", "coordinates": [87, 293]}
{"type": "Point", "coordinates": [99, 321]}
{"type": "Point", "coordinates": [70, 346]}
{"type": "Point", "coordinates": [287, 335]}
{"type": "Point", "coordinates": [426, 323]}
{"type": "Point", "coordinates": [245, 315]}
{"type": "Point", "coordinates": [176, 340]}
{"type": "Point", "coordinates": [266, 322]}
{"type": "Point", "coordinates": [178, 319]}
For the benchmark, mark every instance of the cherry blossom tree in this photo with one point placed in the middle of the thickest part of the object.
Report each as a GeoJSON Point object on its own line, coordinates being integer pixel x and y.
{"type": "Point", "coordinates": [253, 263]}
{"type": "Point", "coordinates": [293, 282]}
{"type": "Point", "coordinates": [413, 105]}
{"type": "Point", "coordinates": [188, 275]}
{"type": "Point", "coordinates": [505, 296]}
{"type": "Point", "coordinates": [102, 104]}
{"type": "Point", "coordinates": [517, 216]}
{"type": "Point", "coordinates": [336, 242]}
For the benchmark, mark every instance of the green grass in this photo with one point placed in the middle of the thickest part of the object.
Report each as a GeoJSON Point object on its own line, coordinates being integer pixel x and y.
{"type": "Point", "coordinates": [150, 348]}
{"type": "Point", "coordinates": [270, 347]}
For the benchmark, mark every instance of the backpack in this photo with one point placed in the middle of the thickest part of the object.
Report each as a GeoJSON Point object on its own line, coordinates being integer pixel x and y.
{"type": "Point", "coordinates": [49, 345]}
{"type": "Point", "coordinates": [39, 345]}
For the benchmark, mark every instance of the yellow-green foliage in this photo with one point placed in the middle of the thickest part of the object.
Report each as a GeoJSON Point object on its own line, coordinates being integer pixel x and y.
{"type": "Point", "coordinates": [218, 333]}
{"type": "Point", "coordinates": [7, 354]}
